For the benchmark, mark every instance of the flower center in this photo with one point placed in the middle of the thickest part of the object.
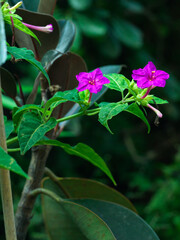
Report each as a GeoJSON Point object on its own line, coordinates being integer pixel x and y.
{"type": "Point", "coordinates": [92, 82]}
{"type": "Point", "coordinates": [152, 78]}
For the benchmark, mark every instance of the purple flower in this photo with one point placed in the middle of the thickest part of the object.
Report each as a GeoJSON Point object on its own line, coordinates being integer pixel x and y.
{"type": "Point", "coordinates": [150, 77]}
{"type": "Point", "coordinates": [93, 81]}
{"type": "Point", "coordinates": [47, 29]}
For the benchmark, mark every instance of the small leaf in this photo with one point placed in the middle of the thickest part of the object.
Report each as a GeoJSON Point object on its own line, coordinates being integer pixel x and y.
{"type": "Point", "coordinates": [9, 163]}
{"type": "Point", "coordinates": [3, 48]}
{"type": "Point", "coordinates": [134, 109]}
{"type": "Point", "coordinates": [32, 129]}
{"type": "Point", "coordinates": [158, 101]}
{"type": "Point", "coordinates": [118, 82]}
{"type": "Point", "coordinates": [28, 55]}
{"type": "Point", "coordinates": [84, 151]}
{"type": "Point", "coordinates": [18, 112]}
{"type": "Point", "coordinates": [8, 102]}
{"type": "Point", "coordinates": [109, 110]}
{"type": "Point", "coordinates": [60, 97]}
{"type": "Point", "coordinates": [86, 188]}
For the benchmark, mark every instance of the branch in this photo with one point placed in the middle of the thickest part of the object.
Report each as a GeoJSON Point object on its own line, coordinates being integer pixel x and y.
{"type": "Point", "coordinates": [26, 203]}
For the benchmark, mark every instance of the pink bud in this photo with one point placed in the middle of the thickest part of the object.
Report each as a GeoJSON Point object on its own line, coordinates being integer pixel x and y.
{"type": "Point", "coordinates": [47, 29]}
{"type": "Point", "coordinates": [158, 113]}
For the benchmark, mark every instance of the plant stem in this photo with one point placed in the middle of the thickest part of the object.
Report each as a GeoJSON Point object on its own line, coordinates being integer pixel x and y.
{"type": "Point", "coordinates": [12, 140]}
{"type": "Point", "coordinates": [47, 192]}
{"type": "Point", "coordinates": [6, 192]}
{"type": "Point", "coordinates": [93, 111]}
{"type": "Point", "coordinates": [13, 149]}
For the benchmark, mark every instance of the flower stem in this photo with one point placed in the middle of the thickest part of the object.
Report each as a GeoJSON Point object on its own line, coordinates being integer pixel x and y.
{"type": "Point", "coordinates": [6, 192]}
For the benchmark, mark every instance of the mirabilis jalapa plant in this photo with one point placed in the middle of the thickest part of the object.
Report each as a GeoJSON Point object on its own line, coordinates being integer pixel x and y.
{"type": "Point", "coordinates": [87, 208]}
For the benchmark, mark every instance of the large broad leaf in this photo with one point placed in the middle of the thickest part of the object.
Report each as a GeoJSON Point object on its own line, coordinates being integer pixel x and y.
{"type": "Point", "coordinates": [85, 188]}
{"type": "Point", "coordinates": [68, 32]}
{"type": "Point", "coordinates": [47, 6]}
{"type": "Point", "coordinates": [3, 50]}
{"type": "Point", "coordinates": [48, 40]}
{"type": "Point", "coordinates": [23, 53]}
{"type": "Point", "coordinates": [108, 111]}
{"type": "Point", "coordinates": [70, 221]}
{"type": "Point", "coordinates": [127, 33]}
{"type": "Point", "coordinates": [32, 129]}
{"type": "Point", "coordinates": [135, 110]}
{"type": "Point", "coordinates": [84, 151]}
{"type": "Point", "coordinates": [8, 83]}
{"type": "Point", "coordinates": [118, 82]}
{"type": "Point", "coordinates": [7, 162]}
{"type": "Point", "coordinates": [123, 223]}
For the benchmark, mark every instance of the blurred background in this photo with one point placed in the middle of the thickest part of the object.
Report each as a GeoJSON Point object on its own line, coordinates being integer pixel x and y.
{"type": "Point", "coordinates": [145, 166]}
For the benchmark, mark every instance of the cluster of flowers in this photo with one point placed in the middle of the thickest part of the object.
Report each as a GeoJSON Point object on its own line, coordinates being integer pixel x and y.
{"type": "Point", "coordinates": [148, 77]}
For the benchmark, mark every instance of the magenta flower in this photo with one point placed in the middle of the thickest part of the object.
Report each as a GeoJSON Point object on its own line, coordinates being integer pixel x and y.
{"type": "Point", "coordinates": [150, 77]}
{"type": "Point", "coordinates": [93, 81]}
{"type": "Point", "coordinates": [47, 29]}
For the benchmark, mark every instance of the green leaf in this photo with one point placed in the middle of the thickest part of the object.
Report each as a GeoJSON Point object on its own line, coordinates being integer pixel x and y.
{"type": "Point", "coordinates": [8, 102]}
{"type": "Point", "coordinates": [28, 55]}
{"type": "Point", "coordinates": [32, 129]}
{"type": "Point", "coordinates": [7, 162]}
{"type": "Point", "coordinates": [158, 101]}
{"type": "Point", "coordinates": [124, 223]}
{"type": "Point", "coordinates": [85, 188]}
{"type": "Point", "coordinates": [19, 25]}
{"type": "Point", "coordinates": [80, 5]}
{"type": "Point", "coordinates": [60, 97]}
{"type": "Point", "coordinates": [8, 127]}
{"type": "Point", "coordinates": [18, 112]}
{"type": "Point", "coordinates": [127, 33]}
{"type": "Point", "coordinates": [84, 151]}
{"type": "Point", "coordinates": [118, 82]}
{"type": "Point", "coordinates": [134, 109]}
{"type": "Point", "coordinates": [73, 221]}
{"type": "Point", "coordinates": [109, 110]}
{"type": "Point", "coordinates": [3, 47]}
